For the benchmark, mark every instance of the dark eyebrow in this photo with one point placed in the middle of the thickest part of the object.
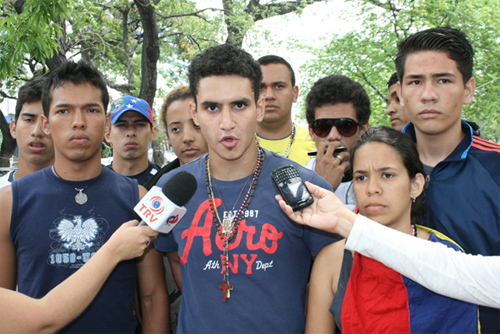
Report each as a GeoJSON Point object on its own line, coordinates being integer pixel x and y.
{"type": "Point", "coordinates": [172, 123]}
{"type": "Point", "coordinates": [62, 105]}
{"type": "Point", "coordinates": [92, 105]}
{"type": "Point", "coordinates": [67, 105]}
{"type": "Point", "coordinates": [414, 76]}
{"type": "Point", "coordinates": [434, 75]}
{"type": "Point", "coordinates": [383, 169]}
{"type": "Point", "coordinates": [26, 114]}
{"type": "Point", "coordinates": [209, 103]}
{"type": "Point", "coordinates": [241, 101]}
{"type": "Point", "coordinates": [443, 74]}
{"type": "Point", "coordinates": [274, 83]}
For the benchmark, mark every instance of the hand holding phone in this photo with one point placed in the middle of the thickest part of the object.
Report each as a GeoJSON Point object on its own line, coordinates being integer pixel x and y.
{"type": "Point", "coordinates": [291, 187]}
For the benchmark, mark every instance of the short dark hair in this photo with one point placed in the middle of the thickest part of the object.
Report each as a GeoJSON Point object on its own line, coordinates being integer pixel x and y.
{"type": "Point", "coordinates": [223, 60]}
{"type": "Point", "coordinates": [77, 73]}
{"type": "Point", "coordinates": [407, 151]}
{"type": "Point", "coordinates": [335, 89]}
{"type": "Point", "coordinates": [179, 94]}
{"type": "Point", "coordinates": [29, 93]}
{"type": "Point", "coordinates": [392, 80]}
{"type": "Point", "coordinates": [272, 59]}
{"type": "Point", "coordinates": [445, 39]}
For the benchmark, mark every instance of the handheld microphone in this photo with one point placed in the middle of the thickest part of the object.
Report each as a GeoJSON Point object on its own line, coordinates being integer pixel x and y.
{"type": "Point", "coordinates": [161, 209]}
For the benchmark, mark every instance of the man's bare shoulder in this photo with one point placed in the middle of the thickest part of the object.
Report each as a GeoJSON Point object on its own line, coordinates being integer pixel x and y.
{"type": "Point", "coordinates": [5, 204]}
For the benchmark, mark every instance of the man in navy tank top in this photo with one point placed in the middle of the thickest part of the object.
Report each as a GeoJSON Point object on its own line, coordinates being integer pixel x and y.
{"type": "Point", "coordinates": [55, 219]}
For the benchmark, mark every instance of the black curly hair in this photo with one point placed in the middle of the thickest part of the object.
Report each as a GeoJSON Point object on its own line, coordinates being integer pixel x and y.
{"type": "Point", "coordinates": [335, 89]}
{"type": "Point", "coordinates": [222, 60]}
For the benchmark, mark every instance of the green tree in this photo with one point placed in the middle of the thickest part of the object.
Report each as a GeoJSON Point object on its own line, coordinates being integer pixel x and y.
{"type": "Point", "coordinates": [240, 15]}
{"type": "Point", "coordinates": [131, 41]}
{"type": "Point", "coordinates": [366, 54]}
{"type": "Point", "coordinates": [123, 38]}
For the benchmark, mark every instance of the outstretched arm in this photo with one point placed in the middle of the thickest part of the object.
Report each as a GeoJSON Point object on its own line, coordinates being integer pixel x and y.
{"type": "Point", "coordinates": [67, 300]}
{"type": "Point", "coordinates": [475, 279]}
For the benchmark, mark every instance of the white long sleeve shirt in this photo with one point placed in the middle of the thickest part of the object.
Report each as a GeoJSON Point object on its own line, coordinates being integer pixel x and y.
{"type": "Point", "coordinates": [471, 278]}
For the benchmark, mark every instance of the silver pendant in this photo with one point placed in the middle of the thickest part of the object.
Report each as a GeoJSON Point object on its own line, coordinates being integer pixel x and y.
{"type": "Point", "coordinates": [81, 197]}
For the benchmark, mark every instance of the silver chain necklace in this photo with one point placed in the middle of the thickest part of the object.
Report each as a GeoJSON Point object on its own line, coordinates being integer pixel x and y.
{"type": "Point", "coordinates": [80, 198]}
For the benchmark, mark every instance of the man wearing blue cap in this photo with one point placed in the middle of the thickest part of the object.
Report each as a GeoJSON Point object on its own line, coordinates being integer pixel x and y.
{"type": "Point", "coordinates": [130, 131]}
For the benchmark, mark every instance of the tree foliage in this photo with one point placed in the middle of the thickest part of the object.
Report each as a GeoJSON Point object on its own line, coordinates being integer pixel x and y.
{"type": "Point", "coordinates": [126, 40]}
{"type": "Point", "coordinates": [366, 54]}
{"type": "Point", "coordinates": [135, 43]}
{"type": "Point", "coordinates": [28, 30]}
{"type": "Point", "coordinates": [240, 15]}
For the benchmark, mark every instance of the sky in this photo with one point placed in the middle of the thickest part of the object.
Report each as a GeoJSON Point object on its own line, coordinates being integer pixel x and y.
{"type": "Point", "coordinates": [271, 36]}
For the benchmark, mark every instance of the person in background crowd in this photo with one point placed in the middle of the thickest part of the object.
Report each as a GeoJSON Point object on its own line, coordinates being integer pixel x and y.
{"type": "Point", "coordinates": [395, 111]}
{"type": "Point", "coordinates": [188, 144]}
{"type": "Point", "coordinates": [462, 171]}
{"type": "Point", "coordinates": [398, 114]}
{"type": "Point", "coordinates": [337, 110]}
{"type": "Point", "coordinates": [130, 131]}
{"type": "Point", "coordinates": [36, 150]}
{"type": "Point", "coordinates": [183, 134]}
{"type": "Point", "coordinates": [277, 132]}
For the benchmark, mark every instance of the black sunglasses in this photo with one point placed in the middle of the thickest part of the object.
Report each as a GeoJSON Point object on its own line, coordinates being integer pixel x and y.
{"type": "Point", "coordinates": [347, 127]}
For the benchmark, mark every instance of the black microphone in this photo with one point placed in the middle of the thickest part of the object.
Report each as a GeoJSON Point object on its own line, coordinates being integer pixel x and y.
{"type": "Point", "coordinates": [161, 209]}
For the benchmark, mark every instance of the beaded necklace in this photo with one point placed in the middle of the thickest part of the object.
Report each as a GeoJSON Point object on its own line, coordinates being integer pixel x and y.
{"type": "Point", "coordinates": [227, 228]}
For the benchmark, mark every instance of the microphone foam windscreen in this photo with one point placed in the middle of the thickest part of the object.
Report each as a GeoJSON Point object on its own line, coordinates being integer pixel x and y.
{"type": "Point", "coordinates": [180, 188]}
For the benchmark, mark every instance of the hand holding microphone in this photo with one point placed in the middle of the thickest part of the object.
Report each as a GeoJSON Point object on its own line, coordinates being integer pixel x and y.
{"type": "Point", "coordinates": [129, 241]}
{"type": "Point", "coordinates": [161, 209]}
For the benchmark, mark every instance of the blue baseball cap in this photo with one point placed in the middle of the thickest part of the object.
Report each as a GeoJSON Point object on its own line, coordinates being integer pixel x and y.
{"type": "Point", "coordinates": [130, 103]}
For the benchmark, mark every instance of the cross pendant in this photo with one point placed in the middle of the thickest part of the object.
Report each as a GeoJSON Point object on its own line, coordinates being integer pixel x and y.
{"type": "Point", "coordinates": [226, 290]}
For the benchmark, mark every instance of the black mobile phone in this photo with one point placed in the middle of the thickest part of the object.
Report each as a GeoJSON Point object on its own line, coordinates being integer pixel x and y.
{"type": "Point", "coordinates": [337, 151]}
{"type": "Point", "coordinates": [292, 188]}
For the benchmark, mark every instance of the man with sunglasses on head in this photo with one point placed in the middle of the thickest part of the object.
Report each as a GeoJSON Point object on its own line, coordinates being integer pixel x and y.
{"type": "Point", "coordinates": [337, 111]}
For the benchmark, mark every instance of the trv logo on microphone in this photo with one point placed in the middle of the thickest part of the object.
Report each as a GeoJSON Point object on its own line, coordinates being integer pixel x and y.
{"type": "Point", "coordinates": [158, 211]}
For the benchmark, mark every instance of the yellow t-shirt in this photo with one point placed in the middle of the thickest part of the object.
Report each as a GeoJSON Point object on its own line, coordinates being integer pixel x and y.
{"type": "Point", "coordinates": [301, 145]}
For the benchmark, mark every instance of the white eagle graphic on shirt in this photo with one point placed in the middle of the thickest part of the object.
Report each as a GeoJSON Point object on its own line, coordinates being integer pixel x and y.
{"type": "Point", "coordinates": [77, 235]}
